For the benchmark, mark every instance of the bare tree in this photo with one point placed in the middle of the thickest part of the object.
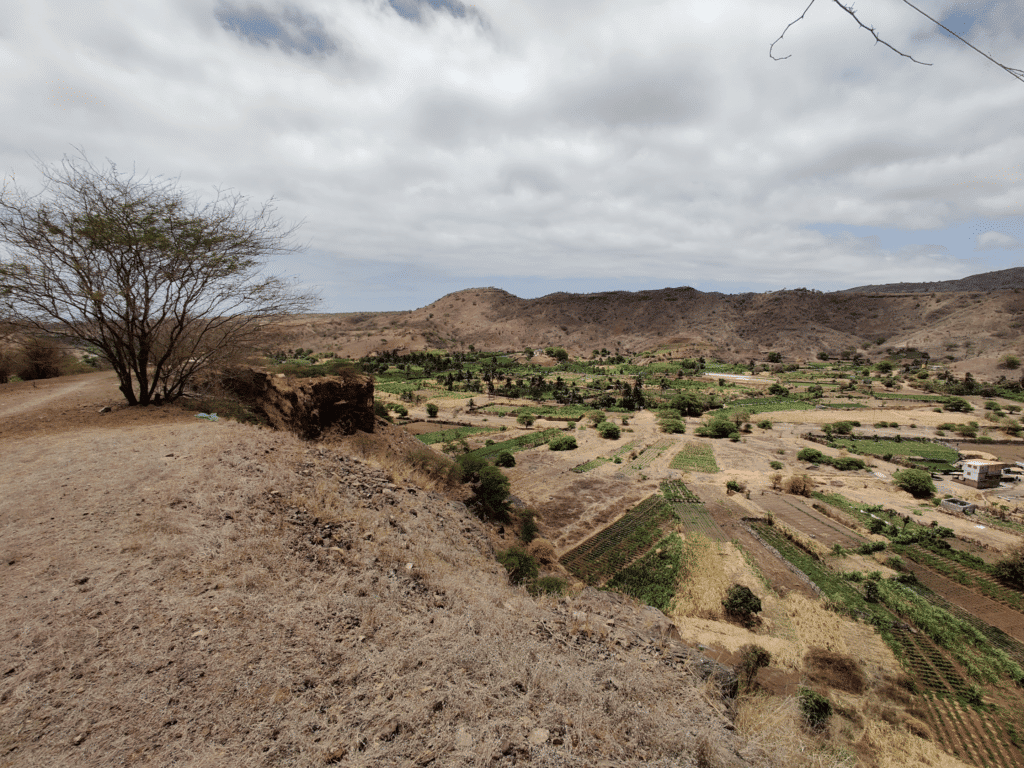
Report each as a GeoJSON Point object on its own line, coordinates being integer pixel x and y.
{"type": "Point", "coordinates": [1017, 73]}
{"type": "Point", "coordinates": [162, 284]}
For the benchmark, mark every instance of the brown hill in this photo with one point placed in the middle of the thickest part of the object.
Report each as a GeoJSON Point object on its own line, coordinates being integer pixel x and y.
{"type": "Point", "coordinates": [961, 324]}
{"type": "Point", "coordinates": [1001, 280]}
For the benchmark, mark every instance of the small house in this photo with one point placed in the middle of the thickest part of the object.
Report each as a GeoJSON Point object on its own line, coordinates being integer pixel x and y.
{"type": "Point", "coordinates": [983, 474]}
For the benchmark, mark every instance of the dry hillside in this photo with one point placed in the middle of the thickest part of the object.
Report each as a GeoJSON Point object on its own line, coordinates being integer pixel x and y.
{"type": "Point", "coordinates": [968, 322]}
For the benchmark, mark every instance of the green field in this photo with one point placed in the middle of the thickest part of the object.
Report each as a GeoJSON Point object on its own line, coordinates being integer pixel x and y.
{"type": "Point", "coordinates": [937, 457]}
{"type": "Point", "coordinates": [695, 457]}
{"type": "Point", "coordinates": [444, 435]}
{"type": "Point", "coordinates": [516, 444]}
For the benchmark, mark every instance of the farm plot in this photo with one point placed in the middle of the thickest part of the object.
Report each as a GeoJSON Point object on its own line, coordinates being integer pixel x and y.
{"type": "Point", "coordinates": [516, 444]}
{"type": "Point", "coordinates": [676, 490]}
{"type": "Point", "coordinates": [928, 664]}
{"type": "Point", "coordinates": [753, 405]}
{"type": "Point", "coordinates": [695, 457]}
{"type": "Point", "coordinates": [972, 736]}
{"type": "Point", "coordinates": [984, 610]}
{"type": "Point", "coordinates": [807, 521]}
{"type": "Point", "coordinates": [444, 435]}
{"type": "Point", "coordinates": [936, 457]}
{"type": "Point", "coordinates": [645, 459]}
{"type": "Point", "coordinates": [600, 460]}
{"type": "Point", "coordinates": [973, 579]}
{"type": "Point", "coordinates": [609, 550]}
{"type": "Point", "coordinates": [695, 518]}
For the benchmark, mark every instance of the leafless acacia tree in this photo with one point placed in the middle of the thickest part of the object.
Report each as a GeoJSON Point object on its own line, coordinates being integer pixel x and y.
{"type": "Point", "coordinates": [1017, 73]}
{"type": "Point", "coordinates": [162, 284]}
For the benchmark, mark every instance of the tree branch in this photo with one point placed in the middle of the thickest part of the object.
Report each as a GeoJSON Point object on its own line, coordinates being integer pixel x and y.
{"type": "Point", "coordinates": [1016, 73]}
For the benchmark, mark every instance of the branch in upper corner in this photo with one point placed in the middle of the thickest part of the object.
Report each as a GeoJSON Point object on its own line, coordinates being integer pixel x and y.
{"type": "Point", "coordinates": [1017, 73]}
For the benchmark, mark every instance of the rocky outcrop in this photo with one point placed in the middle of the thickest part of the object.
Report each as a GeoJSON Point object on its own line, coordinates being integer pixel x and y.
{"type": "Point", "coordinates": [307, 407]}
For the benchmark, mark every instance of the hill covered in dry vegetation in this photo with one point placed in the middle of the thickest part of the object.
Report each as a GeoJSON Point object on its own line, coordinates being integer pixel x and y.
{"type": "Point", "coordinates": [967, 322]}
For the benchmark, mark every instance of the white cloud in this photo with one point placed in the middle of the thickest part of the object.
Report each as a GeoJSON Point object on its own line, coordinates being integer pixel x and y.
{"type": "Point", "coordinates": [995, 240]}
{"type": "Point", "coordinates": [512, 140]}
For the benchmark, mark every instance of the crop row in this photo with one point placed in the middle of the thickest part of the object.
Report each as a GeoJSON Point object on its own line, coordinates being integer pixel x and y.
{"type": "Point", "coordinates": [878, 447]}
{"type": "Point", "coordinates": [696, 519]}
{"type": "Point", "coordinates": [521, 443]}
{"type": "Point", "coordinates": [969, 646]}
{"type": "Point", "coordinates": [1013, 648]}
{"type": "Point", "coordinates": [444, 435]}
{"type": "Point", "coordinates": [676, 490]}
{"type": "Point", "coordinates": [697, 457]}
{"type": "Point", "coordinates": [919, 397]}
{"type": "Point", "coordinates": [929, 666]}
{"type": "Point", "coordinates": [649, 455]}
{"type": "Point", "coordinates": [754, 405]}
{"type": "Point", "coordinates": [972, 578]}
{"type": "Point", "coordinates": [589, 465]}
{"type": "Point", "coordinates": [979, 737]}
{"type": "Point", "coordinates": [613, 547]}
{"type": "Point", "coordinates": [652, 579]}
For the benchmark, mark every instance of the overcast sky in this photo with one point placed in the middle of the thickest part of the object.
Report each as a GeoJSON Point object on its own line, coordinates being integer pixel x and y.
{"type": "Point", "coordinates": [550, 145]}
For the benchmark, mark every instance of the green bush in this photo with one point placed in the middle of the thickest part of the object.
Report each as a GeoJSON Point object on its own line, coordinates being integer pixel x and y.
{"type": "Point", "coordinates": [916, 482]}
{"type": "Point", "coordinates": [752, 658]}
{"type": "Point", "coordinates": [519, 563]}
{"type": "Point", "coordinates": [718, 427]}
{"type": "Point", "coordinates": [673, 426]}
{"type": "Point", "coordinates": [595, 417]}
{"type": "Point", "coordinates": [765, 424]}
{"type": "Point", "coordinates": [1010, 570]}
{"type": "Point", "coordinates": [810, 454]}
{"type": "Point", "coordinates": [735, 486]}
{"type": "Point", "coordinates": [776, 465]}
{"type": "Point", "coordinates": [742, 605]}
{"type": "Point", "coordinates": [432, 410]}
{"type": "Point", "coordinates": [547, 585]}
{"type": "Point", "coordinates": [562, 443]}
{"type": "Point", "coordinates": [815, 708]}
{"type": "Point", "coordinates": [526, 419]}
{"type": "Point", "coordinates": [958, 404]}
{"type": "Point", "coordinates": [529, 529]}
{"type": "Point", "coordinates": [607, 430]}
{"type": "Point", "coordinates": [505, 459]}
{"type": "Point", "coordinates": [491, 494]}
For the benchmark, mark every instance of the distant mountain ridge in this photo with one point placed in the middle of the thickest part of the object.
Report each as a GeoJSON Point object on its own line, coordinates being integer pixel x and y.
{"type": "Point", "coordinates": [1000, 280]}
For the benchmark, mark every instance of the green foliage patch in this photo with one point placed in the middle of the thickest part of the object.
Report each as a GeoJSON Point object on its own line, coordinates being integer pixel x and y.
{"type": "Point", "coordinates": [696, 457]}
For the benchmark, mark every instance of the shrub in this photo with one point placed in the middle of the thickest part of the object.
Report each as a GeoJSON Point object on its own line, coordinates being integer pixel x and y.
{"type": "Point", "coordinates": [752, 658]}
{"type": "Point", "coordinates": [41, 358]}
{"type": "Point", "coordinates": [490, 497]}
{"type": "Point", "coordinates": [526, 419]}
{"type": "Point", "coordinates": [1010, 570]}
{"type": "Point", "coordinates": [734, 486]}
{"type": "Point", "coordinates": [505, 459]}
{"type": "Point", "coordinates": [547, 585]}
{"type": "Point", "coordinates": [607, 430]}
{"type": "Point", "coordinates": [529, 529]}
{"type": "Point", "coordinates": [810, 454]}
{"type": "Point", "coordinates": [562, 443]}
{"type": "Point", "coordinates": [777, 390]}
{"type": "Point", "coordinates": [595, 417]}
{"type": "Point", "coordinates": [617, 460]}
{"type": "Point", "coordinates": [958, 404]}
{"type": "Point", "coordinates": [719, 426]}
{"type": "Point", "coordinates": [881, 424]}
{"type": "Point", "coordinates": [765, 424]}
{"type": "Point", "coordinates": [815, 708]}
{"type": "Point", "coordinates": [775, 464]}
{"type": "Point", "coordinates": [871, 591]}
{"type": "Point", "coordinates": [742, 605]}
{"type": "Point", "coordinates": [916, 482]}
{"type": "Point", "coordinates": [673, 426]}
{"type": "Point", "coordinates": [799, 485]}
{"type": "Point", "coordinates": [521, 565]}
{"type": "Point", "coordinates": [1011, 362]}
{"type": "Point", "coordinates": [381, 410]}
{"type": "Point", "coordinates": [432, 410]}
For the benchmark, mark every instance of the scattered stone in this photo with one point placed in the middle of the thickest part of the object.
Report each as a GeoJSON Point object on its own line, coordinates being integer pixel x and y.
{"type": "Point", "coordinates": [539, 736]}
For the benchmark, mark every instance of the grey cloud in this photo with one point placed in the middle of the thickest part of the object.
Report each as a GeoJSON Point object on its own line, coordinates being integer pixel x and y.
{"type": "Point", "coordinates": [291, 29]}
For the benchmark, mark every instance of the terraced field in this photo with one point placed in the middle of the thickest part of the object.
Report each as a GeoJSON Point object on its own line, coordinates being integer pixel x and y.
{"type": "Point", "coordinates": [975, 580]}
{"type": "Point", "coordinates": [695, 518]}
{"type": "Point", "coordinates": [695, 457]}
{"type": "Point", "coordinates": [971, 736]}
{"type": "Point", "coordinates": [601, 460]}
{"type": "Point", "coordinates": [645, 459]}
{"type": "Point", "coordinates": [612, 548]}
{"type": "Point", "coordinates": [801, 518]}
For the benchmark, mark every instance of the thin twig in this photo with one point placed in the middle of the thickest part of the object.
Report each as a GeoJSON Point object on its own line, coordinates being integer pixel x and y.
{"type": "Point", "coordinates": [1017, 73]}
